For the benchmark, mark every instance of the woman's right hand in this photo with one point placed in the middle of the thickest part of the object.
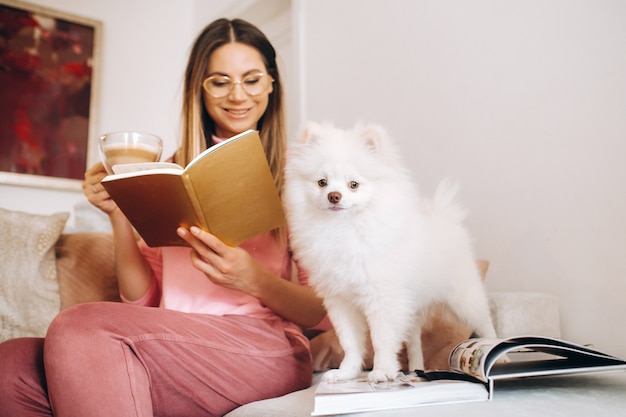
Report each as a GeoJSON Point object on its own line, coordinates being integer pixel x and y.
{"type": "Point", "coordinates": [95, 192]}
{"type": "Point", "coordinates": [133, 272]}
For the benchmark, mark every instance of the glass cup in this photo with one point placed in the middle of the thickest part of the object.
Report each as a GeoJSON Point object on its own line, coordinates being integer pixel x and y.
{"type": "Point", "coordinates": [117, 148]}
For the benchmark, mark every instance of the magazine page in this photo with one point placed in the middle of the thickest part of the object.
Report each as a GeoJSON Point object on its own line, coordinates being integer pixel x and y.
{"type": "Point", "coordinates": [536, 356]}
{"type": "Point", "coordinates": [488, 359]}
{"type": "Point", "coordinates": [470, 357]}
{"type": "Point", "coordinates": [408, 390]}
{"type": "Point", "coordinates": [362, 384]}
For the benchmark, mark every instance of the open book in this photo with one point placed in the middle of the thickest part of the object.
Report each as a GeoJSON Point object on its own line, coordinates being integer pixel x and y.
{"type": "Point", "coordinates": [475, 365]}
{"type": "Point", "coordinates": [228, 190]}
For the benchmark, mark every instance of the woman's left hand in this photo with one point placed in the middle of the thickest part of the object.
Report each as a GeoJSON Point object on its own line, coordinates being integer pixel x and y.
{"type": "Point", "coordinates": [224, 265]}
{"type": "Point", "coordinates": [235, 268]}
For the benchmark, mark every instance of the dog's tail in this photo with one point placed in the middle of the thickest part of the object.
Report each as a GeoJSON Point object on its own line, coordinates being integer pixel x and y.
{"type": "Point", "coordinates": [444, 202]}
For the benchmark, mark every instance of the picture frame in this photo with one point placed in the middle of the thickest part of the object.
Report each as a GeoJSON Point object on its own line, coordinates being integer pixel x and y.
{"type": "Point", "coordinates": [49, 78]}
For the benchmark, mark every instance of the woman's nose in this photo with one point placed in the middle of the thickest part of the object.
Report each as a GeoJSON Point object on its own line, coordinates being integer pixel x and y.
{"type": "Point", "coordinates": [238, 93]}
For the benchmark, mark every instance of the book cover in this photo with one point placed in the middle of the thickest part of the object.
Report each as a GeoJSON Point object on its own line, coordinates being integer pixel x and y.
{"type": "Point", "coordinates": [228, 190]}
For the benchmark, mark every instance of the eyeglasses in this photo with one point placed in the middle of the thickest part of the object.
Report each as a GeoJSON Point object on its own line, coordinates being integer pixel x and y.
{"type": "Point", "coordinates": [219, 86]}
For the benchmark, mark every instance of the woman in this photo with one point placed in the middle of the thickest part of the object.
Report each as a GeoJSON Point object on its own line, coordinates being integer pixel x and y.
{"type": "Point", "coordinates": [228, 328]}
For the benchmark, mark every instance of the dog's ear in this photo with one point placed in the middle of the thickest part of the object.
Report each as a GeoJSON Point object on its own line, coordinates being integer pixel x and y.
{"type": "Point", "coordinates": [310, 133]}
{"type": "Point", "coordinates": [375, 137]}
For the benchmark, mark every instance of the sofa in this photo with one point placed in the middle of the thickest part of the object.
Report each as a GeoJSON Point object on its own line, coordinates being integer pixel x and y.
{"type": "Point", "coordinates": [48, 267]}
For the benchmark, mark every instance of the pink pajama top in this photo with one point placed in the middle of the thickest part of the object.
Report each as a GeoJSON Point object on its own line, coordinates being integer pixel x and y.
{"type": "Point", "coordinates": [177, 285]}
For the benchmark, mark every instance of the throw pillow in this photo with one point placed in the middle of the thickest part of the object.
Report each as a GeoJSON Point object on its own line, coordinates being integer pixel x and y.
{"type": "Point", "coordinates": [444, 331]}
{"type": "Point", "coordinates": [29, 290]}
{"type": "Point", "coordinates": [86, 268]}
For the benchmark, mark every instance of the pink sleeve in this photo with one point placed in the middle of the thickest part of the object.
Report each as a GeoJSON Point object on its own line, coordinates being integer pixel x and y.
{"type": "Point", "coordinates": [152, 297]}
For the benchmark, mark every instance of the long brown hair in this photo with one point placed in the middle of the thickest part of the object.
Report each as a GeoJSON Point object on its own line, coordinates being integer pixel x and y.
{"type": "Point", "coordinates": [197, 125]}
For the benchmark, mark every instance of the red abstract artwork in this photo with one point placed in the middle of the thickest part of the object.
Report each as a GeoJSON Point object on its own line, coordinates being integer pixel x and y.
{"type": "Point", "coordinates": [46, 78]}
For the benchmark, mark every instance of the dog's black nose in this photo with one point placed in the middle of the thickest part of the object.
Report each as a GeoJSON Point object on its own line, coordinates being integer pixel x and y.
{"type": "Point", "coordinates": [334, 197]}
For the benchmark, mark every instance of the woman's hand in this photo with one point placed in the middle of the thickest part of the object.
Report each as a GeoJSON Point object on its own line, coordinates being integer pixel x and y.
{"type": "Point", "coordinates": [326, 351]}
{"type": "Point", "coordinates": [95, 192]}
{"type": "Point", "coordinates": [235, 268]}
{"type": "Point", "coordinates": [133, 272]}
{"type": "Point", "coordinates": [224, 265]}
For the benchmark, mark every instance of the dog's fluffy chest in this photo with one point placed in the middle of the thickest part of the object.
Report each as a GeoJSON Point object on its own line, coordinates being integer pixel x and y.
{"type": "Point", "coordinates": [350, 258]}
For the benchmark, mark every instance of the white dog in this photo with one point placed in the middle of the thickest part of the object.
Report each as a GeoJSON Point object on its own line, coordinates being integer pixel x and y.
{"type": "Point", "coordinates": [376, 253]}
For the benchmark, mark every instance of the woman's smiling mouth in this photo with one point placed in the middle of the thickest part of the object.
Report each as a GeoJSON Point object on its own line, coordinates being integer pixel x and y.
{"type": "Point", "coordinates": [237, 112]}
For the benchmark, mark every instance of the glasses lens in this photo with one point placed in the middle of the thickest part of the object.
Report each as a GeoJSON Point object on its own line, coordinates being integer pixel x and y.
{"type": "Point", "coordinates": [255, 84]}
{"type": "Point", "coordinates": [218, 85]}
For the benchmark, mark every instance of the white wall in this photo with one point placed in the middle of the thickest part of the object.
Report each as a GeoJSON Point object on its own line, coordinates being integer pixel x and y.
{"type": "Point", "coordinates": [524, 103]}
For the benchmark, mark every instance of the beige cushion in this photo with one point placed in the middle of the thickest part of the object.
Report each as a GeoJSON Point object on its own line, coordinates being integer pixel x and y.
{"type": "Point", "coordinates": [29, 290]}
{"type": "Point", "coordinates": [86, 268]}
{"type": "Point", "coordinates": [444, 331]}
{"type": "Point", "coordinates": [518, 313]}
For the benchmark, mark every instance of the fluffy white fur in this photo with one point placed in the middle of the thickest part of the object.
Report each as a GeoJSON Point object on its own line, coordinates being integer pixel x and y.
{"type": "Point", "coordinates": [377, 253]}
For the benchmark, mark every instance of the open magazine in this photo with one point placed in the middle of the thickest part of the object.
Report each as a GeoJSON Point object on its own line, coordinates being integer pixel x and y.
{"type": "Point", "coordinates": [489, 360]}
{"type": "Point", "coordinates": [474, 366]}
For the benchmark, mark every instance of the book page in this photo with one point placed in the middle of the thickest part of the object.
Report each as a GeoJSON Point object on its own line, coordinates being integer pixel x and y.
{"type": "Point", "coordinates": [144, 166]}
{"type": "Point", "coordinates": [235, 189]}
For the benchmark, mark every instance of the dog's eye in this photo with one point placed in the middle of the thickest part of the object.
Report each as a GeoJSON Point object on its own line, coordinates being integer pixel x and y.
{"type": "Point", "coordinates": [323, 182]}
{"type": "Point", "coordinates": [353, 185]}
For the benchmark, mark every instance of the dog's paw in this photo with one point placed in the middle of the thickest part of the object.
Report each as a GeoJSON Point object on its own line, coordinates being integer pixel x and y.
{"type": "Point", "coordinates": [382, 375]}
{"type": "Point", "coordinates": [334, 375]}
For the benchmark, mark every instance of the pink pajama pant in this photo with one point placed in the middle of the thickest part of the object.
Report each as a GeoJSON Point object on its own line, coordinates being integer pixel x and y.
{"type": "Point", "coordinates": [114, 359]}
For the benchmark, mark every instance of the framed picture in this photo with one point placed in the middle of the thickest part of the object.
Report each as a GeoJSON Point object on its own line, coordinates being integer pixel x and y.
{"type": "Point", "coordinates": [49, 64]}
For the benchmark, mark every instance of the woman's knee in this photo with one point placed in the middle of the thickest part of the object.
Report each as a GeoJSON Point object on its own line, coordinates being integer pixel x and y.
{"type": "Point", "coordinates": [22, 378]}
{"type": "Point", "coordinates": [79, 320]}
{"type": "Point", "coordinates": [78, 327]}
